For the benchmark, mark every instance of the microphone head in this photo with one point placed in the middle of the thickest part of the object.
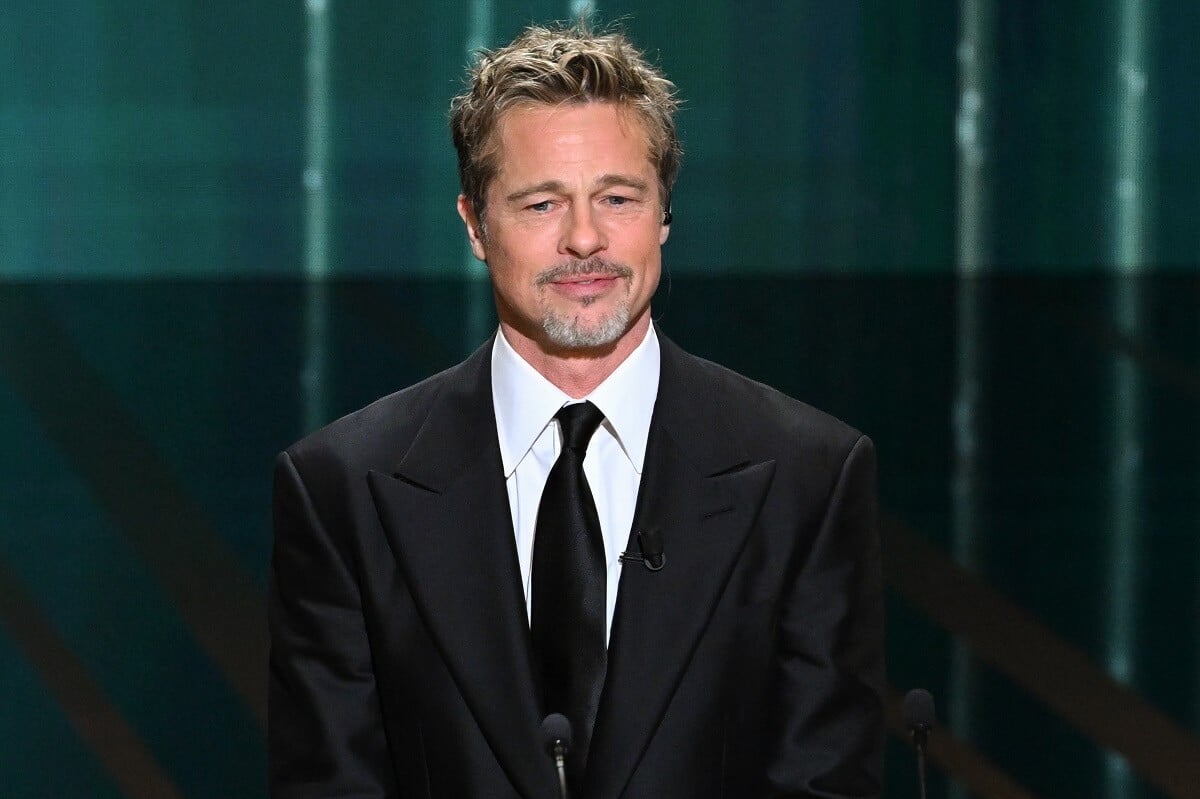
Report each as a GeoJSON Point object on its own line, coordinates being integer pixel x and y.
{"type": "Point", "coordinates": [556, 731]}
{"type": "Point", "coordinates": [919, 715]}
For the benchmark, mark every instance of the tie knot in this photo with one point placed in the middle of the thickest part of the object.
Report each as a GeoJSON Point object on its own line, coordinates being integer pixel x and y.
{"type": "Point", "coordinates": [578, 423]}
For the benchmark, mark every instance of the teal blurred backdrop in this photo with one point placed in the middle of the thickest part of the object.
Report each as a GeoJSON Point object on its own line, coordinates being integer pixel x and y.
{"type": "Point", "coordinates": [225, 139]}
{"type": "Point", "coordinates": [969, 227]}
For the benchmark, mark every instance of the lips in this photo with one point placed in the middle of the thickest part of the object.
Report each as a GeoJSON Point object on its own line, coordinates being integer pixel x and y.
{"type": "Point", "coordinates": [584, 285]}
{"type": "Point", "coordinates": [582, 271]}
{"type": "Point", "coordinates": [587, 280]}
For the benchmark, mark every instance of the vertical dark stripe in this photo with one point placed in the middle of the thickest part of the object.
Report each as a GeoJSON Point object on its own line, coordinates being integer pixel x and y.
{"type": "Point", "coordinates": [115, 744]}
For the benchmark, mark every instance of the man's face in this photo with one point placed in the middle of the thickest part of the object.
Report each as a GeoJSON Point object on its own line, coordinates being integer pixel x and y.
{"type": "Point", "coordinates": [573, 225]}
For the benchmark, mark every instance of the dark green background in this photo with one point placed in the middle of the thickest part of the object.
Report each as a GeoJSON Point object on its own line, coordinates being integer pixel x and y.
{"type": "Point", "coordinates": [1001, 287]}
{"type": "Point", "coordinates": [168, 139]}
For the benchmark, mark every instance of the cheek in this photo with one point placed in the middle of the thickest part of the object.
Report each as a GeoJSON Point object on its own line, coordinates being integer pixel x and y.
{"type": "Point", "coordinates": [653, 275]}
{"type": "Point", "coordinates": [520, 251]}
{"type": "Point", "coordinates": [511, 274]}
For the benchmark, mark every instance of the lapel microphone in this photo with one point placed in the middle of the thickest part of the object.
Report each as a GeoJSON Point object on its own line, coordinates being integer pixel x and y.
{"type": "Point", "coordinates": [556, 731]}
{"type": "Point", "coordinates": [650, 550]}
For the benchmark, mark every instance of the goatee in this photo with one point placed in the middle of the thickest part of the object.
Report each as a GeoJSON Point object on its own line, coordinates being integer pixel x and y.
{"type": "Point", "coordinates": [568, 330]}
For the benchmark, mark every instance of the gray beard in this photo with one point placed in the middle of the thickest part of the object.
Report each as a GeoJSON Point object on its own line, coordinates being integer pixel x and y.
{"type": "Point", "coordinates": [568, 332]}
{"type": "Point", "coordinates": [565, 330]}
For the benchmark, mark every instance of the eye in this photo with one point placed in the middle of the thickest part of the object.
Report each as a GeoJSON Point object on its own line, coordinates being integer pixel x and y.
{"type": "Point", "coordinates": [618, 200]}
{"type": "Point", "coordinates": [539, 207]}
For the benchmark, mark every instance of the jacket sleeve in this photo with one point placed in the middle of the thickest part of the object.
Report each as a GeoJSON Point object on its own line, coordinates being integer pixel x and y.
{"type": "Point", "coordinates": [325, 731]}
{"type": "Point", "coordinates": [829, 731]}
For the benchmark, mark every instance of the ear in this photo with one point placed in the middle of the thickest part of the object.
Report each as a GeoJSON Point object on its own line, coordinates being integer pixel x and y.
{"type": "Point", "coordinates": [467, 213]}
{"type": "Point", "coordinates": [664, 230]}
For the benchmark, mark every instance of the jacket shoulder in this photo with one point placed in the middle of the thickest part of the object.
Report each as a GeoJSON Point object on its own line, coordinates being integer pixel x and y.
{"type": "Point", "coordinates": [377, 435]}
{"type": "Point", "coordinates": [767, 421]}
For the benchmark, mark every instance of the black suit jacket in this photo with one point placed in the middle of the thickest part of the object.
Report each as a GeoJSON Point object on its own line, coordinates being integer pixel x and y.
{"type": "Point", "coordinates": [749, 666]}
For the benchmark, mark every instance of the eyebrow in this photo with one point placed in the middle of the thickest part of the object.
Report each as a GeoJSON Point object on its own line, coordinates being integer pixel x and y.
{"type": "Point", "coordinates": [550, 186]}
{"type": "Point", "coordinates": [608, 181]}
{"type": "Point", "coordinates": [558, 187]}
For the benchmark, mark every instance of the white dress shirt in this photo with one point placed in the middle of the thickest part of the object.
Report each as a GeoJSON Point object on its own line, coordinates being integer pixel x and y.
{"type": "Point", "coordinates": [530, 440]}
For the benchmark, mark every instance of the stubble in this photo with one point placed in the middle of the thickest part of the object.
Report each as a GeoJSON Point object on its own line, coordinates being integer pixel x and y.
{"type": "Point", "coordinates": [570, 330]}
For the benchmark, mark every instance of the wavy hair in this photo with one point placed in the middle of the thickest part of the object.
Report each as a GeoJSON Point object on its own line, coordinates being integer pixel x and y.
{"type": "Point", "coordinates": [553, 66]}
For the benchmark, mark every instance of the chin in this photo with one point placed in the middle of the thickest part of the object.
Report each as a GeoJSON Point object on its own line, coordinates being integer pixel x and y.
{"type": "Point", "coordinates": [574, 333]}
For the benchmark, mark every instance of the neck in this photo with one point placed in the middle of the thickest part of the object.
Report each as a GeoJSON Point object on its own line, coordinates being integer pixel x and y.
{"type": "Point", "coordinates": [577, 372]}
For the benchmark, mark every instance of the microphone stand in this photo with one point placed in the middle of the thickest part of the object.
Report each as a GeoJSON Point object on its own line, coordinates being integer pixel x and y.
{"type": "Point", "coordinates": [919, 718]}
{"type": "Point", "coordinates": [560, 763]}
{"type": "Point", "coordinates": [919, 738]}
{"type": "Point", "coordinates": [556, 732]}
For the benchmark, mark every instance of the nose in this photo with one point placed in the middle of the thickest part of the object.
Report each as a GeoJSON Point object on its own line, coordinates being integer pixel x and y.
{"type": "Point", "coordinates": [582, 237]}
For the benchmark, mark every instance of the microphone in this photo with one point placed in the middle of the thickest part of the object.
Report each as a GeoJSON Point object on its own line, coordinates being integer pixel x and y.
{"type": "Point", "coordinates": [919, 718]}
{"type": "Point", "coordinates": [556, 732]}
{"type": "Point", "coordinates": [650, 550]}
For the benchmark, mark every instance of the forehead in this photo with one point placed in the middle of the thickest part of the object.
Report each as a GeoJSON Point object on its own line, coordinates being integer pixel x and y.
{"type": "Point", "coordinates": [533, 135]}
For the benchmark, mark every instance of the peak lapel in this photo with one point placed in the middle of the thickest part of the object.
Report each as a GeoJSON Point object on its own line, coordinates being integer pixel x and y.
{"type": "Point", "coordinates": [703, 496]}
{"type": "Point", "coordinates": [445, 512]}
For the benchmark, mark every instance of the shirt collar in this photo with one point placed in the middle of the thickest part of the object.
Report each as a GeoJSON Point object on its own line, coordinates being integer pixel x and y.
{"type": "Point", "coordinates": [525, 401]}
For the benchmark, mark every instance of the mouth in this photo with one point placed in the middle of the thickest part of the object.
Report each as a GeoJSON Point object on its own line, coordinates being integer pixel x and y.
{"type": "Point", "coordinates": [584, 287]}
{"type": "Point", "coordinates": [588, 272]}
{"type": "Point", "coordinates": [585, 280]}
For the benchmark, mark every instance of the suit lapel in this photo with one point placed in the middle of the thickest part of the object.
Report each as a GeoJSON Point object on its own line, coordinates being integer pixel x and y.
{"type": "Point", "coordinates": [445, 512]}
{"type": "Point", "coordinates": [703, 495]}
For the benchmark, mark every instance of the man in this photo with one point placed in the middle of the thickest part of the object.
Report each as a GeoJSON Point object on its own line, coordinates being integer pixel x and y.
{"type": "Point", "coordinates": [448, 563]}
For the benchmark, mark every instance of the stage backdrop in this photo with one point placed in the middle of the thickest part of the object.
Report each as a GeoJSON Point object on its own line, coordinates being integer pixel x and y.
{"type": "Point", "coordinates": [967, 227]}
{"type": "Point", "coordinates": [220, 138]}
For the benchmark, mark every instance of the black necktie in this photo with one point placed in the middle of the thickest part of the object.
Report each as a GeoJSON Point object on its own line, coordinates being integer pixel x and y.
{"type": "Point", "coordinates": [569, 580]}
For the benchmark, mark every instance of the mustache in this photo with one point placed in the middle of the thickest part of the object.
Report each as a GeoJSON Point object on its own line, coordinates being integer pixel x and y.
{"type": "Point", "coordinates": [596, 267]}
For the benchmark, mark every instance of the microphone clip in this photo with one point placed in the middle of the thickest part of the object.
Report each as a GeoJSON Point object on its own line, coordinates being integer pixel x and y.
{"type": "Point", "coordinates": [650, 551]}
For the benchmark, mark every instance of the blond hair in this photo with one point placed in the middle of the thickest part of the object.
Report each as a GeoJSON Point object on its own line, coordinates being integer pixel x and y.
{"type": "Point", "coordinates": [552, 66]}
